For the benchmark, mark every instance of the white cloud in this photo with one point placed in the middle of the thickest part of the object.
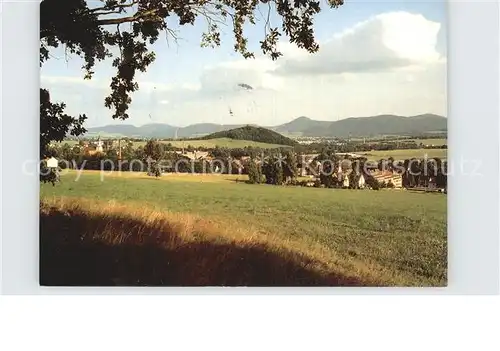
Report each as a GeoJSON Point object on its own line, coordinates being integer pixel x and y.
{"type": "Point", "coordinates": [63, 80]}
{"type": "Point", "coordinates": [225, 77]}
{"type": "Point", "coordinates": [386, 64]}
{"type": "Point", "coordinates": [383, 42]}
{"type": "Point", "coordinates": [151, 87]}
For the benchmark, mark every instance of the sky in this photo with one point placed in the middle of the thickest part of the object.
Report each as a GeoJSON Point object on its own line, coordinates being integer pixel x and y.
{"type": "Point", "coordinates": [375, 58]}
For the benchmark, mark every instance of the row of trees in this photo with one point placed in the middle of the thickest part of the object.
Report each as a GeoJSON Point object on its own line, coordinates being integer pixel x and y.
{"type": "Point", "coordinates": [235, 153]}
{"type": "Point", "coordinates": [276, 169]}
{"type": "Point", "coordinates": [357, 146]}
{"type": "Point", "coordinates": [263, 165]}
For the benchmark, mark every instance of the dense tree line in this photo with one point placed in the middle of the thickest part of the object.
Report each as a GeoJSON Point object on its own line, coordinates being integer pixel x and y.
{"type": "Point", "coordinates": [338, 146]}
{"type": "Point", "coordinates": [420, 172]}
{"type": "Point", "coordinates": [356, 146]}
{"type": "Point", "coordinates": [271, 166]}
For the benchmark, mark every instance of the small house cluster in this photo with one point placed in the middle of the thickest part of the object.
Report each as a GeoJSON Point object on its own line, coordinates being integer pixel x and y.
{"type": "Point", "coordinates": [195, 155]}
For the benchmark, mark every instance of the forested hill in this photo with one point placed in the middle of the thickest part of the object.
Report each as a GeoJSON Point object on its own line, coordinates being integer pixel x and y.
{"type": "Point", "coordinates": [259, 134]}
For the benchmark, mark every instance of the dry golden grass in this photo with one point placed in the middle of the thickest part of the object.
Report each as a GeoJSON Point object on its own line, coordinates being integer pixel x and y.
{"type": "Point", "coordinates": [88, 242]}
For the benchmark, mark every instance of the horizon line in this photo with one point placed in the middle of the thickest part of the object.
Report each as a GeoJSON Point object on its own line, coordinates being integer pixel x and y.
{"type": "Point", "coordinates": [270, 126]}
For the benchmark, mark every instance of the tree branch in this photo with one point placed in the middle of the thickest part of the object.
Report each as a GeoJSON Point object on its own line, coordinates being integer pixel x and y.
{"type": "Point", "coordinates": [116, 8]}
{"type": "Point", "coordinates": [138, 16]}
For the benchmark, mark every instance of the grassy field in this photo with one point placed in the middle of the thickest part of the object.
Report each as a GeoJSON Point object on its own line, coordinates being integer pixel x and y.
{"type": "Point", "coordinates": [208, 144]}
{"type": "Point", "coordinates": [436, 142]}
{"type": "Point", "coordinates": [404, 154]}
{"type": "Point", "coordinates": [323, 236]}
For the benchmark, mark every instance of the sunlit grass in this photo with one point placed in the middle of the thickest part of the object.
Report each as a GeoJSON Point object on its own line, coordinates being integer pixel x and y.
{"type": "Point", "coordinates": [399, 233]}
{"type": "Point", "coordinates": [181, 249]}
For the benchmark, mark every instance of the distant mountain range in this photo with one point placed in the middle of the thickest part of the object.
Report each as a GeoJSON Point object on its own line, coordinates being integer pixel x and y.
{"type": "Point", "coordinates": [302, 126]}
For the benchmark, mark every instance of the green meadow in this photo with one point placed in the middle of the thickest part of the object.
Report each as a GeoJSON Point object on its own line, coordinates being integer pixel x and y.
{"type": "Point", "coordinates": [390, 237]}
{"type": "Point", "coordinates": [401, 154]}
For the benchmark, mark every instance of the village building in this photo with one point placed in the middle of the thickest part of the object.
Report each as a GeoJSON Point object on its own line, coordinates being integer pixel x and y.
{"type": "Point", "coordinates": [99, 146]}
{"type": "Point", "coordinates": [195, 155]}
{"type": "Point", "coordinates": [343, 177]}
{"type": "Point", "coordinates": [349, 154]}
{"type": "Point", "coordinates": [361, 182]}
{"type": "Point", "coordinates": [388, 177]}
{"type": "Point", "coordinates": [52, 162]}
{"type": "Point", "coordinates": [93, 148]}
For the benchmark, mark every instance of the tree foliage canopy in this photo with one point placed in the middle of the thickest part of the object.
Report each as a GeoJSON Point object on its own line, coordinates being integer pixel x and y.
{"type": "Point", "coordinates": [54, 123]}
{"type": "Point", "coordinates": [153, 149]}
{"type": "Point", "coordinates": [90, 29]}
